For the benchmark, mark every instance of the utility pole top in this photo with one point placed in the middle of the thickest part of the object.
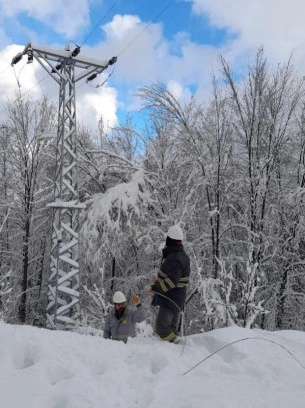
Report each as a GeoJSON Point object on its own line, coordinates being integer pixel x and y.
{"type": "Point", "coordinates": [41, 53]}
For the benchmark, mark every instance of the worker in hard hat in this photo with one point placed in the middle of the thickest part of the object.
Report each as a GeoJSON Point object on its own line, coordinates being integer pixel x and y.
{"type": "Point", "coordinates": [169, 288]}
{"type": "Point", "coordinates": [121, 321]}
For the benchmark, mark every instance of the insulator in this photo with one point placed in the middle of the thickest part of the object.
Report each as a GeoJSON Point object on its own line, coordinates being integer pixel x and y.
{"type": "Point", "coordinates": [112, 60]}
{"type": "Point", "coordinates": [91, 77]}
{"type": "Point", "coordinates": [58, 67]}
{"type": "Point", "coordinates": [76, 51]}
{"type": "Point", "coordinates": [17, 58]}
{"type": "Point", "coordinates": [30, 55]}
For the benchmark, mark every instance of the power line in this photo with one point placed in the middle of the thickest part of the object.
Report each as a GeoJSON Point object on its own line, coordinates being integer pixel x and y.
{"type": "Point", "coordinates": [4, 70]}
{"type": "Point", "coordinates": [134, 39]}
{"type": "Point", "coordinates": [86, 39]}
{"type": "Point", "coordinates": [245, 339]}
{"type": "Point", "coordinates": [146, 27]}
{"type": "Point", "coordinates": [23, 94]}
{"type": "Point", "coordinates": [18, 77]}
{"type": "Point", "coordinates": [38, 80]}
{"type": "Point", "coordinates": [99, 22]}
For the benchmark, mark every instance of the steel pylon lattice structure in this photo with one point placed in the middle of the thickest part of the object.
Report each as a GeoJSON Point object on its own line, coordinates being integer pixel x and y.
{"type": "Point", "coordinates": [66, 68]}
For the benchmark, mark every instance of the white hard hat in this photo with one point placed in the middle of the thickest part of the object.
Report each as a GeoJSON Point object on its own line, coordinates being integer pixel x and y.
{"type": "Point", "coordinates": [175, 232]}
{"type": "Point", "coordinates": [119, 297]}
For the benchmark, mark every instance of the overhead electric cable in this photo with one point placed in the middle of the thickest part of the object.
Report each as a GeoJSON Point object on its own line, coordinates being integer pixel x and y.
{"type": "Point", "coordinates": [146, 27]}
{"type": "Point", "coordinates": [18, 77]}
{"type": "Point", "coordinates": [17, 80]}
{"type": "Point", "coordinates": [133, 40]}
{"type": "Point", "coordinates": [105, 80]}
{"type": "Point", "coordinates": [24, 93]}
{"type": "Point", "coordinates": [91, 32]}
{"type": "Point", "coordinates": [38, 80]}
{"type": "Point", "coordinates": [99, 22]}
{"type": "Point", "coordinates": [5, 69]}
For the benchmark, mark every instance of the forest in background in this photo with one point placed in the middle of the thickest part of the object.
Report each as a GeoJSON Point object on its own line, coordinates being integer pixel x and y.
{"type": "Point", "coordinates": [231, 171]}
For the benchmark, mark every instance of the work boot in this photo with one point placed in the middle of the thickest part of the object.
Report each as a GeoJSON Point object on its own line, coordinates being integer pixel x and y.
{"type": "Point", "coordinates": [177, 340]}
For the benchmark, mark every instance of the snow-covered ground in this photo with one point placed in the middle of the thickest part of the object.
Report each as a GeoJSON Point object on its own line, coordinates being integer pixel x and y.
{"type": "Point", "coordinates": [46, 369]}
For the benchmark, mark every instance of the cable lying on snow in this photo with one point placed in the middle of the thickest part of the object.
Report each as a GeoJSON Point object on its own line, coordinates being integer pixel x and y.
{"type": "Point", "coordinates": [240, 340]}
{"type": "Point", "coordinates": [229, 344]}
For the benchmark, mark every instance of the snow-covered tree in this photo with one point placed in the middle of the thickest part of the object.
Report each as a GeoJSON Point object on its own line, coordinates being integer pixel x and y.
{"type": "Point", "coordinates": [115, 235]}
{"type": "Point", "coordinates": [28, 188]}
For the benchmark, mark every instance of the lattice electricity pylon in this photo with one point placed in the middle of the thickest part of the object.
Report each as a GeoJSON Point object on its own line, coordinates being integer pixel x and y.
{"type": "Point", "coordinates": [63, 290]}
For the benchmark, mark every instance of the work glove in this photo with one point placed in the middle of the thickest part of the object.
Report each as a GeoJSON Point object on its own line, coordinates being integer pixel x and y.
{"type": "Point", "coordinates": [136, 300]}
{"type": "Point", "coordinates": [148, 289]}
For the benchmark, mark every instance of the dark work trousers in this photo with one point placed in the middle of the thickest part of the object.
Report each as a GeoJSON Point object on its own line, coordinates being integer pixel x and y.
{"type": "Point", "coordinates": [167, 323]}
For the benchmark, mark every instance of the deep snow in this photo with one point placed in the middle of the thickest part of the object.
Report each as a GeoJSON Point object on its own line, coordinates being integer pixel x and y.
{"type": "Point", "coordinates": [56, 369]}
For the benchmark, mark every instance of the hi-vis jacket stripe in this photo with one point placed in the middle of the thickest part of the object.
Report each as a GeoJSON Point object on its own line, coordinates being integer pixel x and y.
{"type": "Point", "coordinates": [166, 283]}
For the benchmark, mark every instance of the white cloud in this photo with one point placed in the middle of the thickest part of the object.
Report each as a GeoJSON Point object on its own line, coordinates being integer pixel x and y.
{"type": "Point", "coordinates": [32, 79]}
{"type": "Point", "coordinates": [121, 26]}
{"type": "Point", "coordinates": [177, 90]}
{"type": "Point", "coordinates": [15, 80]}
{"type": "Point", "coordinates": [135, 44]}
{"type": "Point", "coordinates": [92, 105]}
{"type": "Point", "coordinates": [65, 17]}
{"type": "Point", "coordinates": [145, 56]}
{"type": "Point", "coordinates": [4, 39]}
{"type": "Point", "coordinates": [278, 25]}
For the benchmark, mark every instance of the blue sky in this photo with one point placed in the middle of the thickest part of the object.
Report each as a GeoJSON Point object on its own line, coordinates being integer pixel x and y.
{"type": "Point", "coordinates": [175, 42]}
{"type": "Point", "coordinates": [175, 16]}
